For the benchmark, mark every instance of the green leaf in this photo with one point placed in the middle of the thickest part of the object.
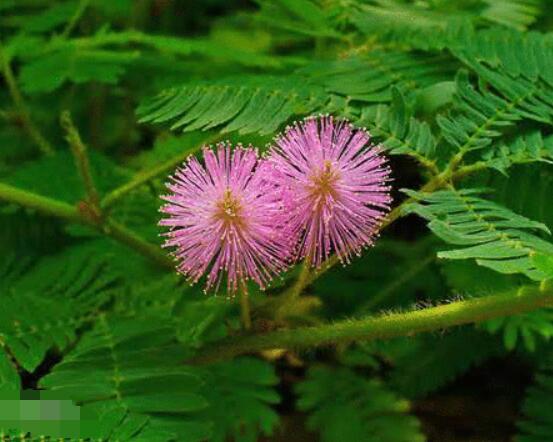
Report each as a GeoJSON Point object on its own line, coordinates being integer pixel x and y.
{"type": "Point", "coordinates": [24, 237]}
{"type": "Point", "coordinates": [519, 192]}
{"type": "Point", "coordinates": [518, 14]}
{"type": "Point", "coordinates": [343, 405]}
{"type": "Point", "coordinates": [493, 235]}
{"type": "Point", "coordinates": [400, 21]}
{"type": "Point", "coordinates": [134, 365]}
{"type": "Point", "coordinates": [202, 321]}
{"type": "Point", "coordinates": [544, 263]}
{"type": "Point", "coordinates": [45, 307]}
{"type": "Point", "coordinates": [57, 177]}
{"type": "Point", "coordinates": [391, 275]}
{"type": "Point", "coordinates": [50, 18]}
{"type": "Point", "coordinates": [426, 363]}
{"type": "Point", "coordinates": [370, 78]}
{"type": "Point", "coordinates": [526, 328]}
{"type": "Point", "coordinates": [399, 132]}
{"type": "Point", "coordinates": [49, 72]}
{"type": "Point", "coordinates": [299, 16]}
{"type": "Point", "coordinates": [9, 377]}
{"type": "Point", "coordinates": [524, 149]}
{"type": "Point", "coordinates": [246, 104]}
{"type": "Point", "coordinates": [240, 395]}
{"type": "Point", "coordinates": [480, 116]}
{"type": "Point", "coordinates": [536, 425]}
{"type": "Point", "coordinates": [168, 146]}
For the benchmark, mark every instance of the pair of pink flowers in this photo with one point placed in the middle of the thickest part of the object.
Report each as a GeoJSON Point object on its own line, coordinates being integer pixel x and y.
{"type": "Point", "coordinates": [321, 188]}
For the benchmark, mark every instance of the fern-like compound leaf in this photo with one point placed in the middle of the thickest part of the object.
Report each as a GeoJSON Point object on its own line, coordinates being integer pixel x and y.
{"type": "Point", "coordinates": [133, 365]}
{"type": "Point", "coordinates": [398, 131]}
{"type": "Point", "coordinates": [370, 78]}
{"type": "Point", "coordinates": [516, 53]}
{"type": "Point", "coordinates": [480, 116]}
{"type": "Point", "coordinates": [246, 104]}
{"type": "Point", "coordinates": [537, 423]}
{"type": "Point", "coordinates": [46, 306]}
{"type": "Point", "coordinates": [424, 364]}
{"type": "Point", "coordinates": [240, 395]}
{"type": "Point", "coordinates": [518, 14]}
{"type": "Point", "coordinates": [524, 149]}
{"type": "Point", "coordinates": [493, 235]}
{"type": "Point", "coordinates": [346, 406]}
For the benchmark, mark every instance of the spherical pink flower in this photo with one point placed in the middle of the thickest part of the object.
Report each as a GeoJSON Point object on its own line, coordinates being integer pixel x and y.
{"type": "Point", "coordinates": [225, 220]}
{"type": "Point", "coordinates": [336, 184]}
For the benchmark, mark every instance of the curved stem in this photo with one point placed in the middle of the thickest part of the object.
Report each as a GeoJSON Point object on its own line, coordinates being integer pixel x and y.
{"type": "Point", "coordinates": [126, 236]}
{"type": "Point", "coordinates": [22, 109]}
{"type": "Point", "coordinates": [78, 149]}
{"type": "Point", "coordinates": [147, 175]}
{"type": "Point", "coordinates": [296, 289]}
{"type": "Point", "coordinates": [386, 326]}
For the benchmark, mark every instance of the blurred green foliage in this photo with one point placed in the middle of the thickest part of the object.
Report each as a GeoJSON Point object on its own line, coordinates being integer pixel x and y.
{"type": "Point", "coordinates": [460, 95]}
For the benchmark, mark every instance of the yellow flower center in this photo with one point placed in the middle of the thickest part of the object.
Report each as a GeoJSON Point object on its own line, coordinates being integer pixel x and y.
{"type": "Point", "coordinates": [323, 183]}
{"type": "Point", "coordinates": [229, 208]}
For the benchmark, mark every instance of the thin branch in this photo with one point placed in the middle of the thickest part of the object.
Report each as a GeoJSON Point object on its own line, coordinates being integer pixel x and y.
{"type": "Point", "coordinates": [386, 326]}
{"type": "Point", "coordinates": [396, 283]}
{"type": "Point", "coordinates": [145, 176]}
{"type": "Point", "coordinates": [81, 8]}
{"type": "Point", "coordinates": [22, 109]}
{"type": "Point", "coordinates": [78, 149]}
{"type": "Point", "coordinates": [294, 291]}
{"type": "Point", "coordinates": [67, 212]}
{"type": "Point", "coordinates": [126, 236]}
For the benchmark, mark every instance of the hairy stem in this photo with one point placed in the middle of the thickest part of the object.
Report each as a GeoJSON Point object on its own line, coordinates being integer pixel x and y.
{"type": "Point", "coordinates": [386, 326]}
{"type": "Point", "coordinates": [147, 175]}
{"type": "Point", "coordinates": [23, 111]}
{"type": "Point", "coordinates": [78, 149]}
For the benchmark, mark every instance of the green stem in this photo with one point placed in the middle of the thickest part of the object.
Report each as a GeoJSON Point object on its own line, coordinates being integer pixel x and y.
{"type": "Point", "coordinates": [45, 205]}
{"type": "Point", "coordinates": [81, 8]}
{"type": "Point", "coordinates": [463, 171]}
{"type": "Point", "coordinates": [78, 149]}
{"type": "Point", "coordinates": [126, 236]}
{"type": "Point", "coordinates": [67, 212]}
{"type": "Point", "coordinates": [386, 326]}
{"type": "Point", "coordinates": [301, 281]}
{"type": "Point", "coordinates": [147, 175]}
{"type": "Point", "coordinates": [21, 107]}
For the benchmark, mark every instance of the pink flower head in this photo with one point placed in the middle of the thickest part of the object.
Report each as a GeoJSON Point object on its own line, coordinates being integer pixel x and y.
{"type": "Point", "coordinates": [336, 184]}
{"type": "Point", "coordinates": [224, 219]}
